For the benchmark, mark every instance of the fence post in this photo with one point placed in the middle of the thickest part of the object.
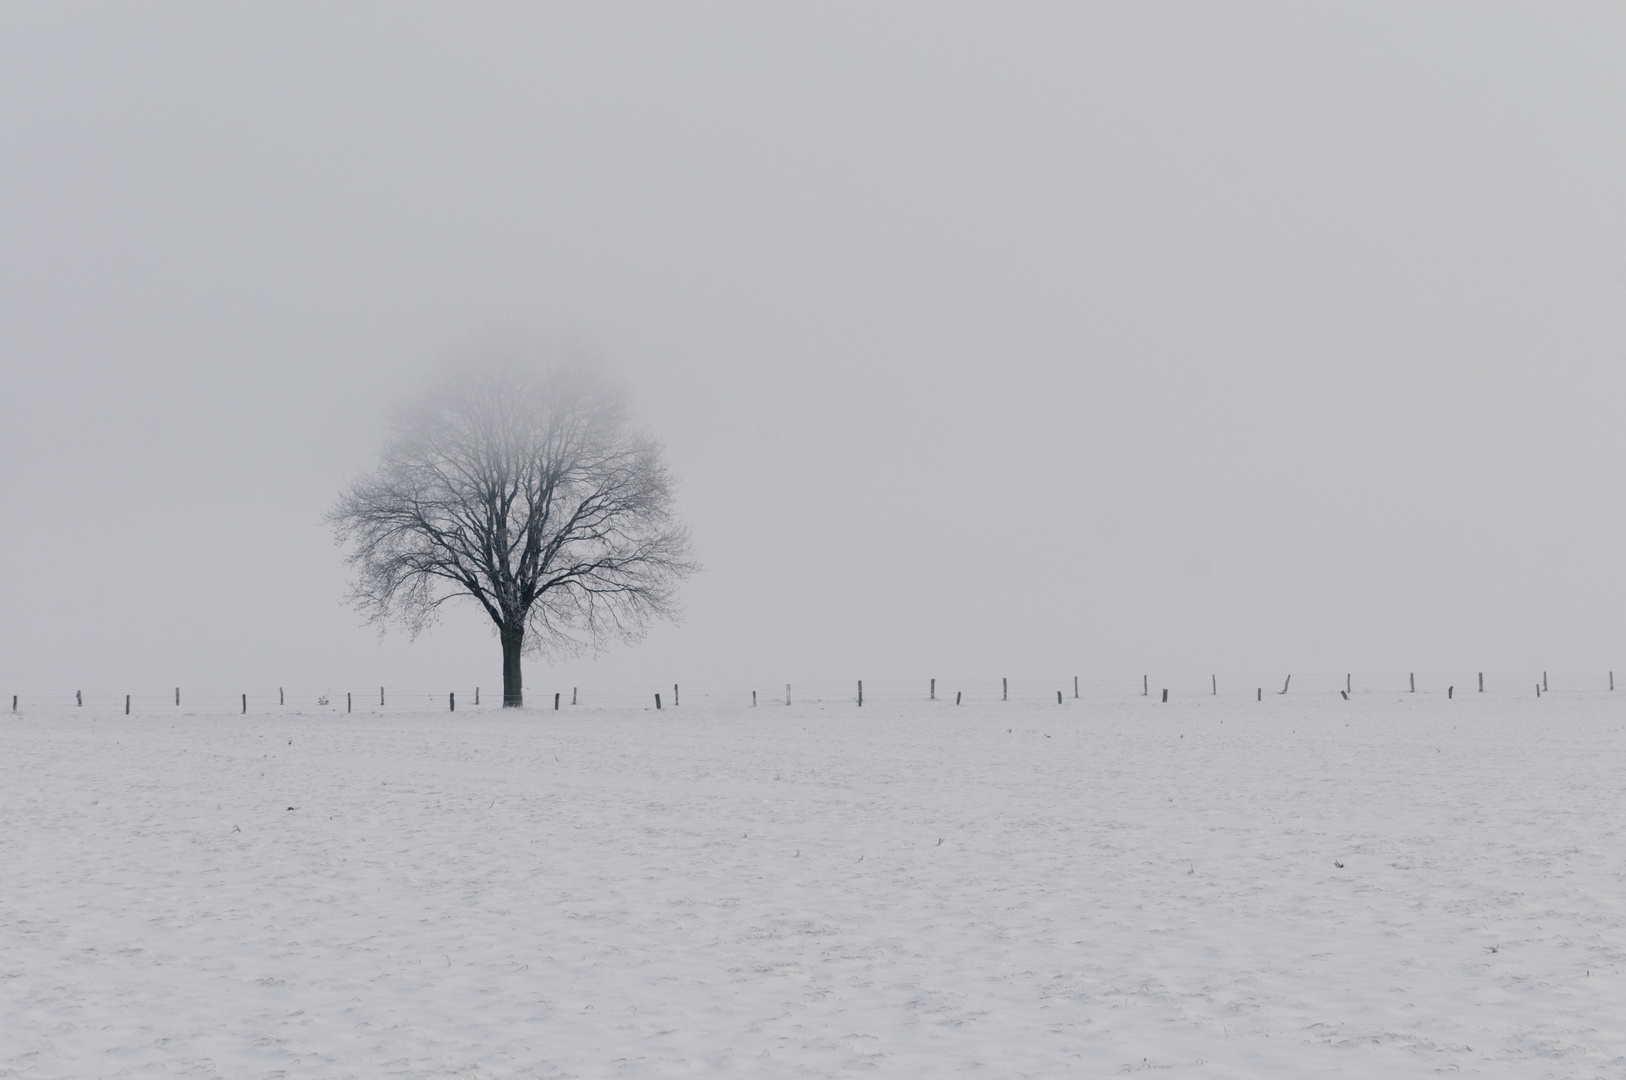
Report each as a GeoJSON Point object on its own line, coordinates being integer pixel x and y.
{"type": "Point", "coordinates": [1544, 682]}
{"type": "Point", "coordinates": [477, 695]}
{"type": "Point", "coordinates": [1449, 690]}
{"type": "Point", "coordinates": [177, 695]}
{"type": "Point", "coordinates": [555, 702]}
{"type": "Point", "coordinates": [1075, 685]}
{"type": "Point", "coordinates": [245, 704]}
{"type": "Point", "coordinates": [347, 701]}
{"type": "Point", "coordinates": [1286, 684]}
{"type": "Point", "coordinates": [1004, 689]}
{"type": "Point", "coordinates": [1144, 690]}
{"type": "Point", "coordinates": [657, 702]}
{"type": "Point", "coordinates": [860, 693]}
{"type": "Point", "coordinates": [1347, 687]}
{"type": "Point", "coordinates": [280, 699]}
{"type": "Point", "coordinates": [1214, 681]}
{"type": "Point", "coordinates": [1165, 695]}
{"type": "Point", "coordinates": [1261, 693]}
{"type": "Point", "coordinates": [1058, 697]}
{"type": "Point", "coordinates": [451, 701]}
{"type": "Point", "coordinates": [79, 697]}
{"type": "Point", "coordinates": [934, 688]}
{"type": "Point", "coordinates": [956, 697]}
{"type": "Point", "coordinates": [753, 699]}
{"type": "Point", "coordinates": [1482, 682]}
{"type": "Point", "coordinates": [126, 704]}
{"type": "Point", "coordinates": [1414, 682]}
{"type": "Point", "coordinates": [573, 695]}
{"type": "Point", "coordinates": [380, 697]}
{"type": "Point", "coordinates": [787, 693]}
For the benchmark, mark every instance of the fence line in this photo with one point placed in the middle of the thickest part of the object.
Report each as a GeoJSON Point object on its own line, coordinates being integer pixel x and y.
{"type": "Point", "coordinates": [546, 696]}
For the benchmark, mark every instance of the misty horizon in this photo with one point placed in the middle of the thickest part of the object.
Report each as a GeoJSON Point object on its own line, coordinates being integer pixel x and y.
{"type": "Point", "coordinates": [1058, 341]}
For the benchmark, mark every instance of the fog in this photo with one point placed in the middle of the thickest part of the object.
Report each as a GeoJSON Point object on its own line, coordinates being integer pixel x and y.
{"type": "Point", "coordinates": [1051, 340]}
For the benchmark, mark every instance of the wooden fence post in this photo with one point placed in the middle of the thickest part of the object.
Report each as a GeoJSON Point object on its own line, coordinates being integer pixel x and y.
{"type": "Point", "coordinates": [956, 697]}
{"type": "Point", "coordinates": [79, 697]}
{"type": "Point", "coordinates": [573, 695]}
{"type": "Point", "coordinates": [1414, 682]}
{"type": "Point", "coordinates": [657, 703]}
{"type": "Point", "coordinates": [1165, 695]}
{"type": "Point", "coordinates": [1058, 697]}
{"type": "Point", "coordinates": [934, 689]}
{"type": "Point", "coordinates": [177, 695]}
{"type": "Point", "coordinates": [347, 702]}
{"type": "Point", "coordinates": [753, 699]}
{"type": "Point", "coordinates": [860, 693]}
{"type": "Point", "coordinates": [1075, 685]}
{"type": "Point", "coordinates": [1214, 681]}
{"type": "Point", "coordinates": [380, 697]}
{"type": "Point", "coordinates": [451, 701]}
{"type": "Point", "coordinates": [555, 702]}
{"type": "Point", "coordinates": [126, 704]}
{"type": "Point", "coordinates": [245, 704]}
{"type": "Point", "coordinates": [787, 693]}
{"type": "Point", "coordinates": [1004, 689]}
{"type": "Point", "coordinates": [674, 695]}
{"type": "Point", "coordinates": [1482, 682]}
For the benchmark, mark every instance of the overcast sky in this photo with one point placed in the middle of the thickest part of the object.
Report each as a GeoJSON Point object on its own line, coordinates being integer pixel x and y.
{"type": "Point", "coordinates": [1042, 339]}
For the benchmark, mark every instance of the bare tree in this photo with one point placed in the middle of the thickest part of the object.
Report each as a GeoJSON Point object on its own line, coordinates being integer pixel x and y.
{"type": "Point", "coordinates": [520, 484]}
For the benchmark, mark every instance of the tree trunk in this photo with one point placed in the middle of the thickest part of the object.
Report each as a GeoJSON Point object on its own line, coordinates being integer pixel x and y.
{"type": "Point", "coordinates": [513, 691]}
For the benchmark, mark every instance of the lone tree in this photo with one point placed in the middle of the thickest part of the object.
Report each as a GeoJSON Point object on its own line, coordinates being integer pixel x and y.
{"type": "Point", "coordinates": [519, 483]}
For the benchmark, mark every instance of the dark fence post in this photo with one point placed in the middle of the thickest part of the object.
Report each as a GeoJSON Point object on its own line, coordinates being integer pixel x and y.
{"type": "Point", "coordinates": [860, 693]}
{"type": "Point", "coordinates": [956, 697]}
{"type": "Point", "coordinates": [934, 688]}
{"type": "Point", "coordinates": [245, 704]}
{"type": "Point", "coordinates": [1004, 689]}
{"type": "Point", "coordinates": [657, 702]}
{"type": "Point", "coordinates": [1058, 697]}
{"type": "Point", "coordinates": [126, 704]}
{"type": "Point", "coordinates": [451, 701]}
{"type": "Point", "coordinates": [1165, 694]}
{"type": "Point", "coordinates": [555, 702]}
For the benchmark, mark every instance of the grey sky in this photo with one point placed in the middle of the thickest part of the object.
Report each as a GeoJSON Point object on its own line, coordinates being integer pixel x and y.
{"type": "Point", "coordinates": [1058, 339]}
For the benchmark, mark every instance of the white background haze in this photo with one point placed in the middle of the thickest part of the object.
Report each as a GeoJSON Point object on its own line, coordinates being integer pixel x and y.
{"type": "Point", "coordinates": [983, 340]}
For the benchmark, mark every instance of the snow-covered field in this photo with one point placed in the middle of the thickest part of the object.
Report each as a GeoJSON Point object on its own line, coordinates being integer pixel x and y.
{"type": "Point", "coordinates": [1004, 889]}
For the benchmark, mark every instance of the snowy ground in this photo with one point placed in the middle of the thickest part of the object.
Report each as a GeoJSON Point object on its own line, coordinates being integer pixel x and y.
{"type": "Point", "coordinates": [1000, 890]}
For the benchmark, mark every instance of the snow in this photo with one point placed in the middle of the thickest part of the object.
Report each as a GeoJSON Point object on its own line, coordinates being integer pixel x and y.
{"type": "Point", "coordinates": [1002, 889]}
